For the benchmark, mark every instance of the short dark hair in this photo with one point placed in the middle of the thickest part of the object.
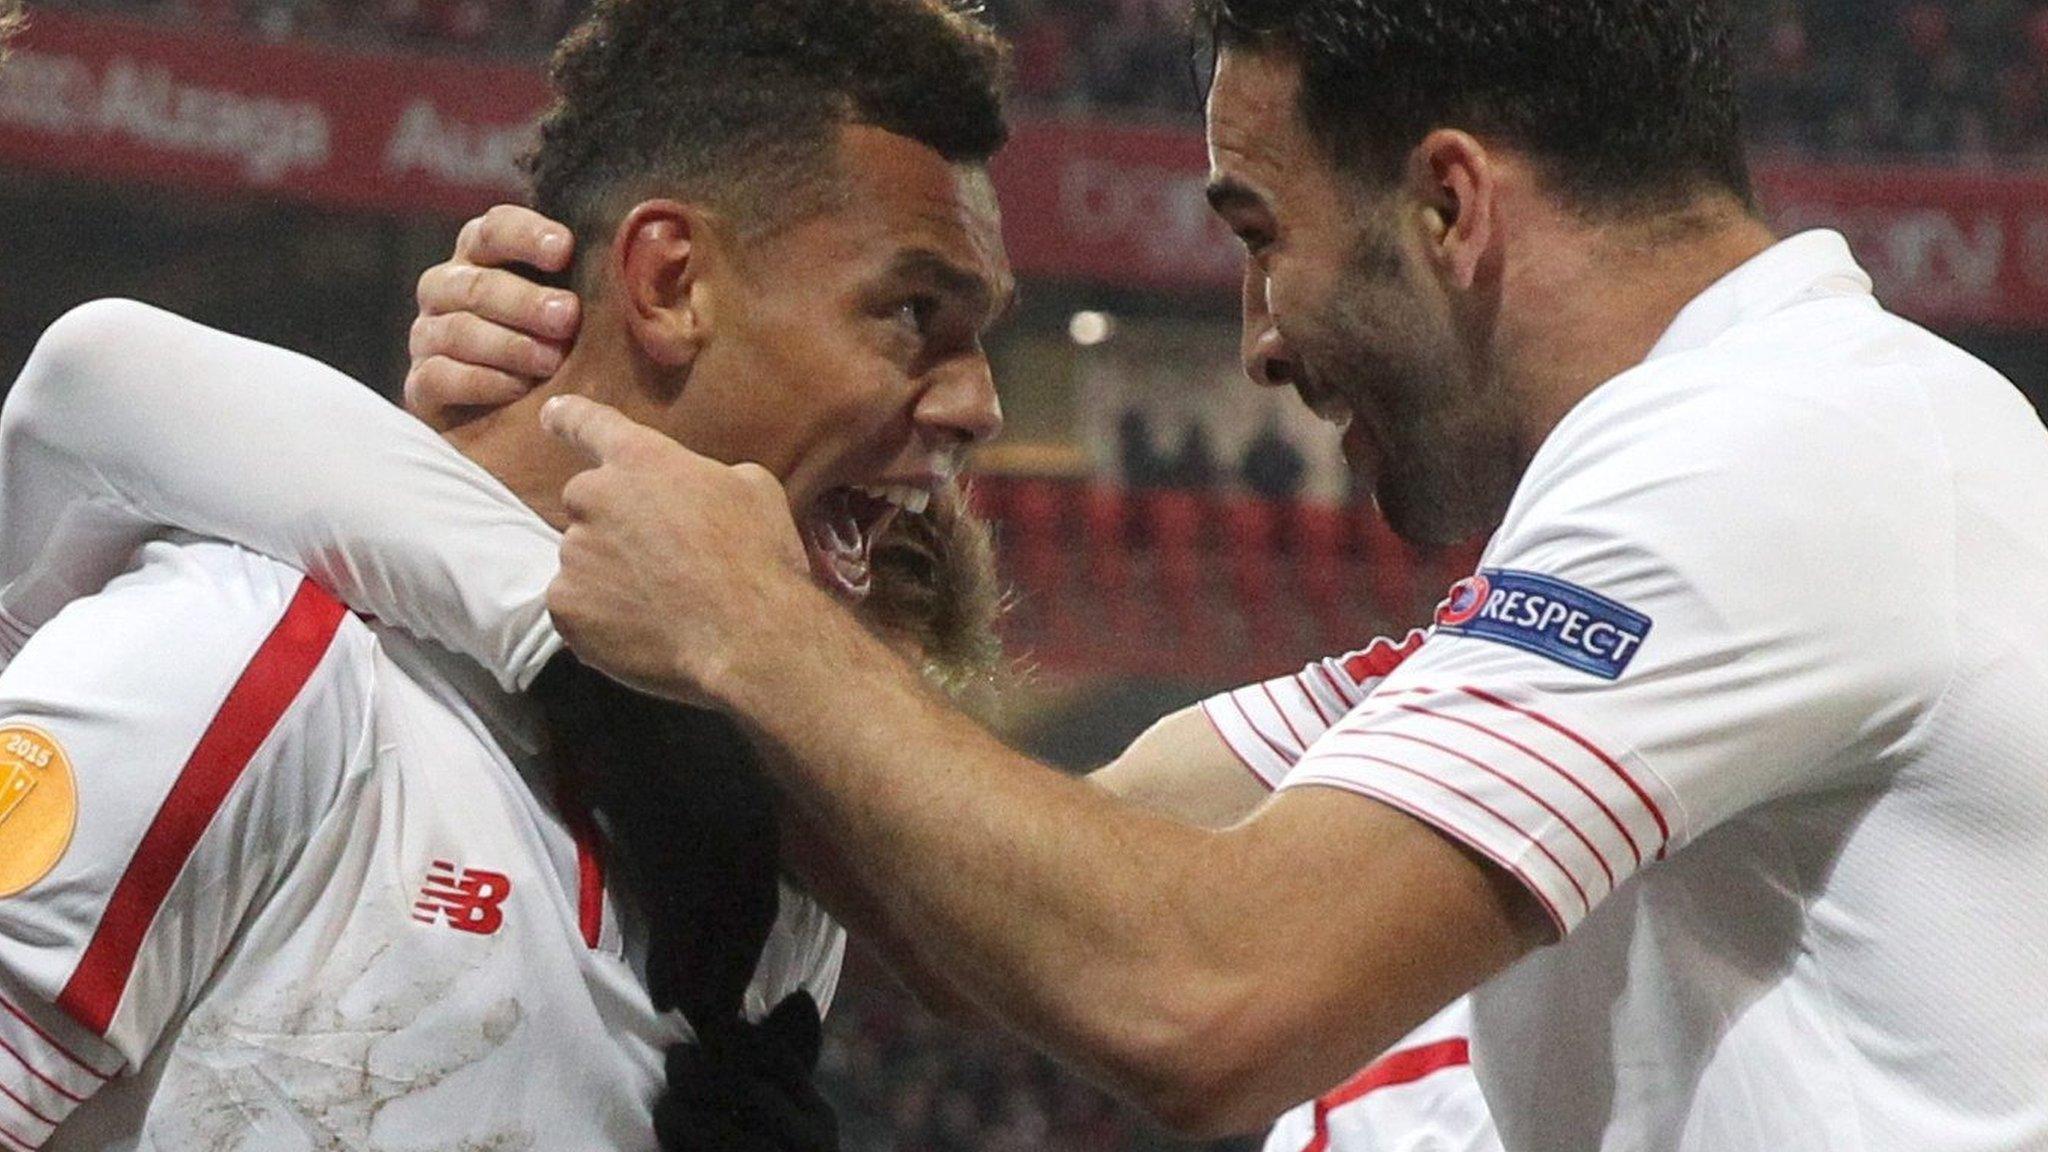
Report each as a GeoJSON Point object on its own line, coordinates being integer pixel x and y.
{"type": "Point", "coordinates": [1630, 105]}
{"type": "Point", "coordinates": [736, 103]}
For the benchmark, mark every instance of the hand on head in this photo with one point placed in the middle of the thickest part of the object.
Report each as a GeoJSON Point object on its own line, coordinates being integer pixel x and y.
{"type": "Point", "coordinates": [488, 329]}
{"type": "Point", "coordinates": [489, 332]}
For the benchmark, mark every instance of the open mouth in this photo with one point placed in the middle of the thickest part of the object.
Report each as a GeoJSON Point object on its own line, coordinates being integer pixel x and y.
{"type": "Point", "coordinates": [1328, 406]}
{"type": "Point", "coordinates": [842, 528]}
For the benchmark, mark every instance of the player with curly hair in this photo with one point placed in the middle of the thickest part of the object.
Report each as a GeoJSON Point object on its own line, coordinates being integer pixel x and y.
{"type": "Point", "coordinates": [312, 864]}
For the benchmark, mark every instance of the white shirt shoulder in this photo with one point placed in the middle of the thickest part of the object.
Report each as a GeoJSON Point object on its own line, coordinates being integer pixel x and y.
{"type": "Point", "coordinates": [1727, 577]}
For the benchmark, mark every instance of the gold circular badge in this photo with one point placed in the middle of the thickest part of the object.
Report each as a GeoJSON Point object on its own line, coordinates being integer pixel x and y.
{"type": "Point", "coordinates": [38, 806]}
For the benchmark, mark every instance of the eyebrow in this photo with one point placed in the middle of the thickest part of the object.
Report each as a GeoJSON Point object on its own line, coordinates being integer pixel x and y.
{"type": "Point", "coordinates": [952, 279]}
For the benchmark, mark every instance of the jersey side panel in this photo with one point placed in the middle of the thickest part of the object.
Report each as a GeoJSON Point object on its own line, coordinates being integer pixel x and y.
{"type": "Point", "coordinates": [202, 705]}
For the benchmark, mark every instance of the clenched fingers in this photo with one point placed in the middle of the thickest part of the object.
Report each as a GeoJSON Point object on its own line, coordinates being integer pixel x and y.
{"type": "Point", "coordinates": [510, 234]}
{"type": "Point", "coordinates": [500, 297]}
{"type": "Point", "coordinates": [446, 393]}
{"type": "Point", "coordinates": [475, 340]}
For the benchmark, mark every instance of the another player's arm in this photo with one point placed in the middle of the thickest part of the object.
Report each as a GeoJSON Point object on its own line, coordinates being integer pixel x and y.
{"type": "Point", "coordinates": [1137, 948]}
{"type": "Point", "coordinates": [128, 418]}
{"type": "Point", "coordinates": [1213, 764]}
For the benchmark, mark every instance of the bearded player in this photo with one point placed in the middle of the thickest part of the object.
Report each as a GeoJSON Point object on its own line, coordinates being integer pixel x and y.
{"type": "Point", "coordinates": [270, 856]}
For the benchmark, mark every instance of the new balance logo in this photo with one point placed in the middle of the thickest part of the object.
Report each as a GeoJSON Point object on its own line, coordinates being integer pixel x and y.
{"type": "Point", "coordinates": [465, 899]}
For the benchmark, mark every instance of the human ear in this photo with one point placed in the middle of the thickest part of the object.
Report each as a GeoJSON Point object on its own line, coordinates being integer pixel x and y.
{"type": "Point", "coordinates": [661, 255]}
{"type": "Point", "coordinates": [1456, 181]}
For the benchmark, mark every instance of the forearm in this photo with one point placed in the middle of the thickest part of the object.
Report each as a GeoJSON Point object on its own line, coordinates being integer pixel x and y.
{"type": "Point", "coordinates": [818, 867]}
{"type": "Point", "coordinates": [1105, 934]}
{"type": "Point", "coordinates": [1215, 977]}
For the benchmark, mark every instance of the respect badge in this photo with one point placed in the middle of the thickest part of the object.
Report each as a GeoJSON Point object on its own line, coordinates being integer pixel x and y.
{"type": "Point", "coordinates": [1558, 621]}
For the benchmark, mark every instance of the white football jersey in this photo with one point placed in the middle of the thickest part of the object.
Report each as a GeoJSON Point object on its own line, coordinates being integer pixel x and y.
{"type": "Point", "coordinates": [1715, 699]}
{"type": "Point", "coordinates": [1419, 1097]}
{"type": "Point", "coordinates": [280, 879]}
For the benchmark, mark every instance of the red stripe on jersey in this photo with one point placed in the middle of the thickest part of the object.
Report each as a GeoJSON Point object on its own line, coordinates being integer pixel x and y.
{"type": "Point", "coordinates": [1348, 698]}
{"type": "Point", "coordinates": [1461, 838]}
{"type": "Point", "coordinates": [1663, 828]}
{"type": "Point", "coordinates": [1308, 692]}
{"type": "Point", "coordinates": [589, 878]}
{"type": "Point", "coordinates": [26, 1106]}
{"type": "Point", "coordinates": [1272, 744]}
{"type": "Point", "coordinates": [18, 1142]}
{"type": "Point", "coordinates": [1380, 658]}
{"type": "Point", "coordinates": [1241, 758]}
{"type": "Point", "coordinates": [253, 707]}
{"type": "Point", "coordinates": [1389, 1071]}
{"type": "Point", "coordinates": [589, 842]}
{"type": "Point", "coordinates": [1285, 722]}
{"type": "Point", "coordinates": [59, 1089]}
{"type": "Point", "coordinates": [1403, 1067]}
{"type": "Point", "coordinates": [46, 1038]}
{"type": "Point", "coordinates": [589, 891]}
{"type": "Point", "coordinates": [1547, 762]}
{"type": "Point", "coordinates": [1511, 782]}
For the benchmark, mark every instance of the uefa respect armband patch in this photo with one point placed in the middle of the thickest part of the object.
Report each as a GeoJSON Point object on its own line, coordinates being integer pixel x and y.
{"type": "Point", "coordinates": [1546, 616]}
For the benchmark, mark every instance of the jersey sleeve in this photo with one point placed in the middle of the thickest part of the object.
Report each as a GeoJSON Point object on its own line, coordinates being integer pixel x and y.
{"type": "Point", "coordinates": [127, 419]}
{"type": "Point", "coordinates": [1738, 602]}
{"type": "Point", "coordinates": [166, 749]}
{"type": "Point", "coordinates": [1269, 726]}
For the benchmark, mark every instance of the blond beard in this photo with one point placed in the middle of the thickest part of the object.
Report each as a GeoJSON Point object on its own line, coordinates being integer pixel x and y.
{"type": "Point", "coordinates": [937, 598]}
{"type": "Point", "coordinates": [12, 18]}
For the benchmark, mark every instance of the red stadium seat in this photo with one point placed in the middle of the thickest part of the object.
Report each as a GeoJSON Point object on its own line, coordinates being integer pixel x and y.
{"type": "Point", "coordinates": [1175, 521]}
{"type": "Point", "coordinates": [1251, 532]}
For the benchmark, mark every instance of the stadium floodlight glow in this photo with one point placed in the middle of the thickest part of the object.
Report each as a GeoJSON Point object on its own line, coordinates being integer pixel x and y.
{"type": "Point", "coordinates": [1090, 329]}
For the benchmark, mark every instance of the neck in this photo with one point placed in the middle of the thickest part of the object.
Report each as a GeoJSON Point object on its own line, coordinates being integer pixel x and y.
{"type": "Point", "coordinates": [1599, 297]}
{"type": "Point", "coordinates": [510, 444]}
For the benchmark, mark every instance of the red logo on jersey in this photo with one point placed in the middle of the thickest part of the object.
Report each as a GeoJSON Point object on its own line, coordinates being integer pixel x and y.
{"type": "Point", "coordinates": [466, 899]}
{"type": "Point", "coordinates": [1467, 598]}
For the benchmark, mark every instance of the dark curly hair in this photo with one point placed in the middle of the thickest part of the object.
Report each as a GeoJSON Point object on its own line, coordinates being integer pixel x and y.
{"type": "Point", "coordinates": [735, 104]}
{"type": "Point", "coordinates": [1630, 105]}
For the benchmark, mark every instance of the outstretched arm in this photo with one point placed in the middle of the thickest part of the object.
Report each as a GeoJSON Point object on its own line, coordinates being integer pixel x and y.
{"type": "Point", "coordinates": [1137, 948]}
{"type": "Point", "coordinates": [128, 420]}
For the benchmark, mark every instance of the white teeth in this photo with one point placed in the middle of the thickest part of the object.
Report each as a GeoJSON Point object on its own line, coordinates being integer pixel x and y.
{"type": "Point", "coordinates": [911, 500]}
{"type": "Point", "coordinates": [1335, 412]}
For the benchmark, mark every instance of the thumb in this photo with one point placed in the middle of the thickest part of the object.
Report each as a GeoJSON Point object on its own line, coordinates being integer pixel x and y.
{"type": "Point", "coordinates": [597, 430]}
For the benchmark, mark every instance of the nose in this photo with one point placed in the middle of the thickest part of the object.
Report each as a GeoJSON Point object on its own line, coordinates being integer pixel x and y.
{"type": "Point", "coordinates": [1267, 358]}
{"type": "Point", "coordinates": [960, 401]}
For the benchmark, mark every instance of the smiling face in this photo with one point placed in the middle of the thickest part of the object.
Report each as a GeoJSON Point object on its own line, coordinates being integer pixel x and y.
{"type": "Point", "coordinates": [1342, 303]}
{"type": "Point", "coordinates": [845, 350]}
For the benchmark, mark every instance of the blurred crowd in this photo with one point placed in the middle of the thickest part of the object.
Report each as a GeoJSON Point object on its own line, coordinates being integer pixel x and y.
{"type": "Point", "coordinates": [1961, 80]}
